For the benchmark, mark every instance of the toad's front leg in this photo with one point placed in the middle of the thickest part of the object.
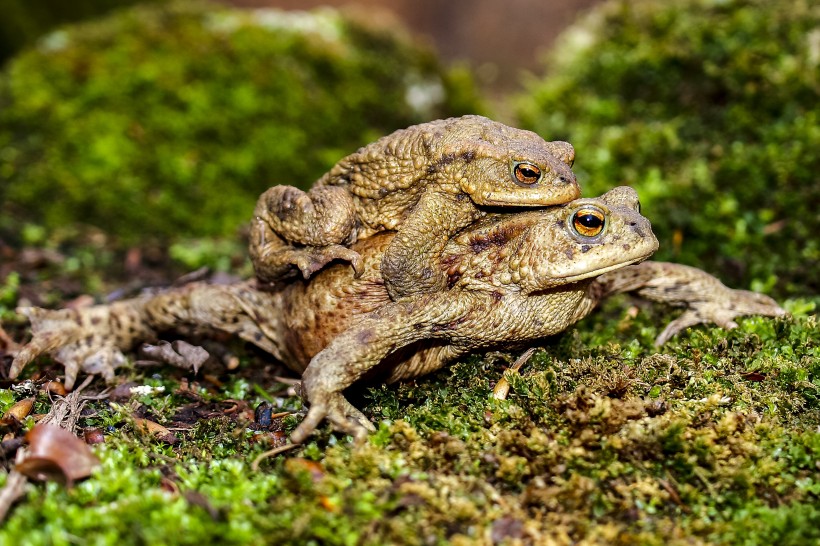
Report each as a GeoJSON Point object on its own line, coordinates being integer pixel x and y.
{"type": "Point", "coordinates": [320, 221]}
{"type": "Point", "coordinates": [412, 263]}
{"type": "Point", "coordinates": [366, 345]}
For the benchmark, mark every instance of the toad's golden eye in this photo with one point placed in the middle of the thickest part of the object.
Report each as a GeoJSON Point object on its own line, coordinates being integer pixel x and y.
{"type": "Point", "coordinates": [527, 173]}
{"type": "Point", "coordinates": [588, 222]}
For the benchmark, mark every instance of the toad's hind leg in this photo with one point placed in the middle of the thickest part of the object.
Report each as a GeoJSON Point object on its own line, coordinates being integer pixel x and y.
{"type": "Point", "coordinates": [320, 222]}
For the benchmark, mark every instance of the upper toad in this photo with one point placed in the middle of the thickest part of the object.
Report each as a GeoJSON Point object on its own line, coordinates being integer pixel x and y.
{"type": "Point", "coordinates": [426, 181]}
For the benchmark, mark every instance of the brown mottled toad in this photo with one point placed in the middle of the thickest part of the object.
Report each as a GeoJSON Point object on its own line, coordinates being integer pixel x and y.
{"type": "Point", "coordinates": [426, 181]}
{"type": "Point", "coordinates": [510, 279]}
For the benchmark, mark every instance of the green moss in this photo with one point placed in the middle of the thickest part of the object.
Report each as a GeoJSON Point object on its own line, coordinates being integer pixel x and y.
{"type": "Point", "coordinates": [580, 451]}
{"type": "Point", "coordinates": [711, 109]}
{"type": "Point", "coordinates": [169, 121]}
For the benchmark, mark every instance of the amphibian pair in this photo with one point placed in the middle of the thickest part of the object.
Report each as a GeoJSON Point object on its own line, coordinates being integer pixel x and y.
{"type": "Point", "coordinates": [509, 279]}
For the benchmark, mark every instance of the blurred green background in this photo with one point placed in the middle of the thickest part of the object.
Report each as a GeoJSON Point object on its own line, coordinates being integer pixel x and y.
{"type": "Point", "coordinates": [163, 122]}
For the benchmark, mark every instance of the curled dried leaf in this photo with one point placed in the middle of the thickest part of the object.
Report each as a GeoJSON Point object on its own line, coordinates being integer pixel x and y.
{"type": "Point", "coordinates": [155, 429]}
{"type": "Point", "coordinates": [150, 427]}
{"type": "Point", "coordinates": [55, 387]}
{"type": "Point", "coordinates": [93, 435]}
{"type": "Point", "coordinates": [56, 454]}
{"type": "Point", "coordinates": [21, 409]}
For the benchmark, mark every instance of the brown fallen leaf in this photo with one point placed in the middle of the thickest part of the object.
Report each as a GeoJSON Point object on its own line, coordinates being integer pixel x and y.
{"type": "Point", "coordinates": [753, 376]}
{"type": "Point", "coordinates": [20, 410]}
{"type": "Point", "coordinates": [149, 426]}
{"type": "Point", "coordinates": [93, 435]}
{"type": "Point", "coordinates": [56, 454]}
{"type": "Point", "coordinates": [55, 387]}
{"type": "Point", "coordinates": [155, 429]}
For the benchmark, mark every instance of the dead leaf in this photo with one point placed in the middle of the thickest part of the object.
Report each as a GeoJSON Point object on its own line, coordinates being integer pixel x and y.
{"type": "Point", "coordinates": [753, 376]}
{"type": "Point", "coordinates": [179, 353]}
{"type": "Point", "coordinates": [93, 435]}
{"type": "Point", "coordinates": [122, 392]}
{"type": "Point", "coordinates": [155, 429]}
{"type": "Point", "coordinates": [21, 409]}
{"type": "Point", "coordinates": [150, 427]}
{"type": "Point", "coordinates": [56, 454]}
{"type": "Point", "coordinates": [55, 387]}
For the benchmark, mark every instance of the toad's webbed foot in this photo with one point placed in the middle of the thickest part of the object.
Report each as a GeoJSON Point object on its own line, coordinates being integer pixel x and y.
{"type": "Point", "coordinates": [722, 311]}
{"type": "Point", "coordinates": [309, 260]}
{"type": "Point", "coordinates": [307, 230]}
{"type": "Point", "coordinates": [705, 299]}
{"type": "Point", "coordinates": [85, 340]}
{"type": "Point", "coordinates": [341, 414]}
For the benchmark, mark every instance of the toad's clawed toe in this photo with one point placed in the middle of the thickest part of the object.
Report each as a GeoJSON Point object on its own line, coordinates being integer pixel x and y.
{"type": "Point", "coordinates": [309, 261]}
{"type": "Point", "coordinates": [342, 416]}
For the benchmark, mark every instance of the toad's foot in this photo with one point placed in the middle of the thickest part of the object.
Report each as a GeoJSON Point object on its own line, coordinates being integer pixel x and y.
{"type": "Point", "coordinates": [722, 311]}
{"type": "Point", "coordinates": [704, 297]}
{"type": "Point", "coordinates": [342, 415]}
{"type": "Point", "coordinates": [311, 260]}
{"type": "Point", "coordinates": [272, 264]}
{"type": "Point", "coordinates": [307, 230]}
{"type": "Point", "coordinates": [80, 339]}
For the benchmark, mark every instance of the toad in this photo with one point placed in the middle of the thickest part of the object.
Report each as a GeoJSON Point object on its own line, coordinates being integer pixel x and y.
{"type": "Point", "coordinates": [511, 279]}
{"type": "Point", "coordinates": [426, 182]}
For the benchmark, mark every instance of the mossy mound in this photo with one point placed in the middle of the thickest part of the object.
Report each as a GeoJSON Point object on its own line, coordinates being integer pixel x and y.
{"type": "Point", "coordinates": [711, 109]}
{"type": "Point", "coordinates": [171, 120]}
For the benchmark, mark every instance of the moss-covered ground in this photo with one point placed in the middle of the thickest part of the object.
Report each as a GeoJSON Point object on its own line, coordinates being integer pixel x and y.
{"type": "Point", "coordinates": [604, 439]}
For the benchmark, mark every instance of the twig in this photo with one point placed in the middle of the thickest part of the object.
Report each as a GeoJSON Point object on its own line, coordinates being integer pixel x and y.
{"type": "Point", "coordinates": [273, 452]}
{"type": "Point", "coordinates": [502, 388]}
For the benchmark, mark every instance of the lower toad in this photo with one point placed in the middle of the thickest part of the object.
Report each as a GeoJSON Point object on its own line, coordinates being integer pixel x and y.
{"type": "Point", "coordinates": [511, 280]}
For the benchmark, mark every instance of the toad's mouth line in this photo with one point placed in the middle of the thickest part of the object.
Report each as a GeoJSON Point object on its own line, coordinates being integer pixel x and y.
{"type": "Point", "coordinates": [601, 271]}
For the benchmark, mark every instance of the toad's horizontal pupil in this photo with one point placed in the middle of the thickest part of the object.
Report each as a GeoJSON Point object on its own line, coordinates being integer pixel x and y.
{"type": "Point", "coordinates": [589, 220]}
{"type": "Point", "coordinates": [529, 173]}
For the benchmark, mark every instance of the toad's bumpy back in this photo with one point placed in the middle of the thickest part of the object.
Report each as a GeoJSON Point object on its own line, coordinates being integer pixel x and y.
{"type": "Point", "coordinates": [427, 182]}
